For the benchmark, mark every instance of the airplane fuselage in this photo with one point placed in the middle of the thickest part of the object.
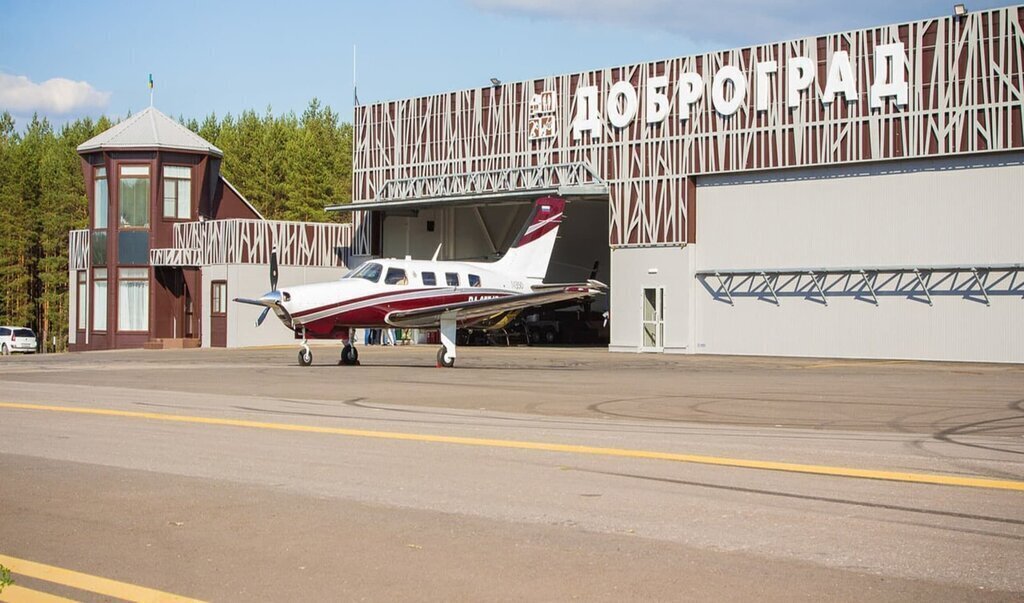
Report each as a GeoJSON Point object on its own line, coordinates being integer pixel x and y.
{"type": "Point", "coordinates": [365, 296]}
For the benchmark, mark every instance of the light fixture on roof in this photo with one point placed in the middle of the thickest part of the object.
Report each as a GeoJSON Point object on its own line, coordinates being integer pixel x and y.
{"type": "Point", "coordinates": [959, 11]}
{"type": "Point", "coordinates": [495, 81]}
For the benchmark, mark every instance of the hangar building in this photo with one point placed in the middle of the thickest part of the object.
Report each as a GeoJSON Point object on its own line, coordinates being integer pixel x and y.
{"type": "Point", "coordinates": [857, 194]}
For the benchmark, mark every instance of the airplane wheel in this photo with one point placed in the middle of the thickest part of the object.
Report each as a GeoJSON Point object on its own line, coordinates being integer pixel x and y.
{"type": "Point", "coordinates": [442, 361]}
{"type": "Point", "coordinates": [349, 355]}
{"type": "Point", "coordinates": [305, 357]}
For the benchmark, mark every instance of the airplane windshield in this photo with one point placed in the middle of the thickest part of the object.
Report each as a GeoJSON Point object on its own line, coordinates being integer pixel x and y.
{"type": "Point", "coordinates": [369, 271]}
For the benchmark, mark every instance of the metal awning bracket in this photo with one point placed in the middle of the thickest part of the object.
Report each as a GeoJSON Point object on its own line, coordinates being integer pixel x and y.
{"type": "Point", "coordinates": [977, 279]}
{"type": "Point", "coordinates": [817, 285]}
{"type": "Point", "coordinates": [870, 285]}
{"type": "Point", "coordinates": [921, 282]}
{"type": "Point", "coordinates": [725, 289]}
{"type": "Point", "coordinates": [768, 283]}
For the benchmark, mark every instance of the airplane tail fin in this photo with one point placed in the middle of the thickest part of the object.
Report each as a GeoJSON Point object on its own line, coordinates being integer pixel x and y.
{"type": "Point", "coordinates": [530, 254]}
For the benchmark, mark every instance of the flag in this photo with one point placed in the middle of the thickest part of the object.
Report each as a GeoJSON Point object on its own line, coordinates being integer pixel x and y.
{"type": "Point", "coordinates": [150, 81]}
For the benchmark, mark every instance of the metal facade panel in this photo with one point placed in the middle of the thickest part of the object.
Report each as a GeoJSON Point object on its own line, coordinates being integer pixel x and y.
{"type": "Point", "coordinates": [965, 92]}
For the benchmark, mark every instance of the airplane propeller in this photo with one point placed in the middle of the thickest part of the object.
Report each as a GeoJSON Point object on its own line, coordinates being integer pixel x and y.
{"type": "Point", "coordinates": [273, 285]}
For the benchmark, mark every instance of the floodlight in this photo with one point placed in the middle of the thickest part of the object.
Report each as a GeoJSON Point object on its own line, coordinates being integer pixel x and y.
{"type": "Point", "coordinates": [495, 81]}
{"type": "Point", "coordinates": [959, 11]}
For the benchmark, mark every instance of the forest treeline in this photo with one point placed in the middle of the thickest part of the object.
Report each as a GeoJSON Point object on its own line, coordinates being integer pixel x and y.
{"type": "Point", "coordinates": [289, 166]}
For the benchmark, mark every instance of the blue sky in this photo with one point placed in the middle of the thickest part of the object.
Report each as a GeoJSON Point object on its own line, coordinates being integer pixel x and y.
{"type": "Point", "coordinates": [68, 59]}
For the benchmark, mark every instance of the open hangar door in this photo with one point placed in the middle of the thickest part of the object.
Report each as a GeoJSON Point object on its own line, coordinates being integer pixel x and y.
{"type": "Point", "coordinates": [485, 230]}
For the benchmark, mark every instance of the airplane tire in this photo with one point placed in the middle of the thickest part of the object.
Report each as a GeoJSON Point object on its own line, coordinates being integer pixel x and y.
{"type": "Point", "coordinates": [305, 357]}
{"type": "Point", "coordinates": [349, 355]}
{"type": "Point", "coordinates": [442, 361]}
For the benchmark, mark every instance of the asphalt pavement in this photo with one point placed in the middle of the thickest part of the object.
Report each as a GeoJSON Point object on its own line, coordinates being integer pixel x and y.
{"type": "Point", "coordinates": [528, 473]}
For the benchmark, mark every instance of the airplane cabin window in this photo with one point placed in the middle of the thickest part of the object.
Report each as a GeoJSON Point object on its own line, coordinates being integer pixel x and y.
{"type": "Point", "coordinates": [396, 276]}
{"type": "Point", "coordinates": [474, 280]}
{"type": "Point", "coordinates": [370, 271]}
{"type": "Point", "coordinates": [452, 278]}
{"type": "Point", "coordinates": [429, 279]}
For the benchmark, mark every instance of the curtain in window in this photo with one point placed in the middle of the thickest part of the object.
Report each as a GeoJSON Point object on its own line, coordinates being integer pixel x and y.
{"type": "Point", "coordinates": [133, 306]}
{"type": "Point", "coordinates": [99, 305]}
{"type": "Point", "coordinates": [102, 201]}
{"type": "Point", "coordinates": [82, 293]}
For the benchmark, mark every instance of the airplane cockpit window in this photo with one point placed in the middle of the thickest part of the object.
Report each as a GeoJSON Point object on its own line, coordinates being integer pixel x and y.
{"type": "Point", "coordinates": [396, 276]}
{"type": "Point", "coordinates": [474, 280]}
{"type": "Point", "coordinates": [452, 278]}
{"type": "Point", "coordinates": [429, 279]}
{"type": "Point", "coordinates": [370, 271]}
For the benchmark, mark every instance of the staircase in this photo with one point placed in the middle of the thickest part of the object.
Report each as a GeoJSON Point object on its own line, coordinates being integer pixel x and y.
{"type": "Point", "coordinates": [171, 343]}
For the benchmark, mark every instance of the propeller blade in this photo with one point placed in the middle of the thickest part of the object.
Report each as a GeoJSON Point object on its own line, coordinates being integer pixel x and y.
{"type": "Point", "coordinates": [593, 272]}
{"type": "Point", "coordinates": [263, 316]}
{"type": "Point", "coordinates": [273, 269]}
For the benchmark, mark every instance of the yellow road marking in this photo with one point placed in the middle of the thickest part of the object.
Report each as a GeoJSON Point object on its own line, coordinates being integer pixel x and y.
{"type": "Point", "coordinates": [896, 476]}
{"type": "Point", "coordinates": [93, 584]}
{"type": "Point", "coordinates": [19, 594]}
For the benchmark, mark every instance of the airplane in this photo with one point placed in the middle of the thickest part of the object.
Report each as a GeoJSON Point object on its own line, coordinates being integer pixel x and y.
{"type": "Point", "coordinates": [428, 294]}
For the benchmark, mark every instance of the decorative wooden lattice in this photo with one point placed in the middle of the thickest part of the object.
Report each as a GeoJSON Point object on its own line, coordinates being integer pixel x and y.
{"type": "Point", "coordinates": [78, 250]}
{"type": "Point", "coordinates": [251, 241]}
{"type": "Point", "coordinates": [964, 83]}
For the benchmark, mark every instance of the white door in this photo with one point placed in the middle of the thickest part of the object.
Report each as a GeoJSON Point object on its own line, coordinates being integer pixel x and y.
{"type": "Point", "coordinates": [653, 335]}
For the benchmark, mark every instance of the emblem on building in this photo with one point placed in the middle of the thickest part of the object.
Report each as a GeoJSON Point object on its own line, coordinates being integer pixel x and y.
{"type": "Point", "coordinates": [542, 115]}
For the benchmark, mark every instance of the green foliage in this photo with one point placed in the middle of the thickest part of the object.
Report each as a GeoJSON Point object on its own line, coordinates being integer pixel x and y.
{"type": "Point", "coordinates": [5, 578]}
{"type": "Point", "coordinates": [289, 167]}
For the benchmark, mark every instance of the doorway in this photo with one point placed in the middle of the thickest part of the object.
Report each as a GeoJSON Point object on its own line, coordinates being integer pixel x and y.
{"type": "Point", "coordinates": [653, 336]}
{"type": "Point", "coordinates": [219, 314]}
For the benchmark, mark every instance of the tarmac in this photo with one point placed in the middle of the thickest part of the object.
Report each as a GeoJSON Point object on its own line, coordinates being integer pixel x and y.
{"type": "Point", "coordinates": [532, 473]}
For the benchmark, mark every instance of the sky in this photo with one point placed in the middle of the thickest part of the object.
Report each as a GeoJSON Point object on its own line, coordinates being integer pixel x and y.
{"type": "Point", "coordinates": [66, 59]}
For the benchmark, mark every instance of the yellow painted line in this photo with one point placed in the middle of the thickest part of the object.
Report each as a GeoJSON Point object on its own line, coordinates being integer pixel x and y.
{"type": "Point", "coordinates": [93, 584]}
{"type": "Point", "coordinates": [896, 476]}
{"type": "Point", "coordinates": [19, 594]}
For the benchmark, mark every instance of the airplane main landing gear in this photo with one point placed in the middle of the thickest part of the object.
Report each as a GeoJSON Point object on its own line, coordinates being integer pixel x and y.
{"type": "Point", "coordinates": [349, 355]}
{"type": "Point", "coordinates": [446, 355]}
{"type": "Point", "coordinates": [444, 359]}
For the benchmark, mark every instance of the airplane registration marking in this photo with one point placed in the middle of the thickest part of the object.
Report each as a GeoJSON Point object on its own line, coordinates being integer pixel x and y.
{"type": "Point", "coordinates": [884, 475]}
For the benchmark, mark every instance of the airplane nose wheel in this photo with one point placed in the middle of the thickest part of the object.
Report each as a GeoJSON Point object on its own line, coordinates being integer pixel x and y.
{"type": "Point", "coordinates": [443, 360]}
{"type": "Point", "coordinates": [305, 357]}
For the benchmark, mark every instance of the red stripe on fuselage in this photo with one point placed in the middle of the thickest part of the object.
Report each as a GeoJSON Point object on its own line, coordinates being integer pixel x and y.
{"type": "Point", "coordinates": [373, 315]}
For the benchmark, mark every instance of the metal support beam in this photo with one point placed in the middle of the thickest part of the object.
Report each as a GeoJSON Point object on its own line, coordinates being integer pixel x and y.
{"type": "Point", "coordinates": [821, 291]}
{"type": "Point", "coordinates": [768, 284]}
{"type": "Point", "coordinates": [984, 292]}
{"type": "Point", "coordinates": [921, 282]}
{"type": "Point", "coordinates": [725, 288]}
{"type": "Point", "coordinates": [870, 285]}
{"type": "Point", "coordinates": [483, 227]}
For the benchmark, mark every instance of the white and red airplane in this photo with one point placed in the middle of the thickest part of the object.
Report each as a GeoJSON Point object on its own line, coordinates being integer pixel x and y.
{"type": "Point", "coordinates": [426, 294]}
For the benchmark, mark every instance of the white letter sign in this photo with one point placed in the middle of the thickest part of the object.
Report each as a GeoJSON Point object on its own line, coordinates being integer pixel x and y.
{"type": "Point", "coordinates": [889, 81]}
{"type": "Point", "coordinates": [840, 79]}
{"type": "Point", "coordinates": [657, 101]}
{"type": "Point", "coordinates": [761, 85]}
{"type": "Point", "coordinates": [799, 76]}
{"type": "Point", "coordinates": [621, 116]}
{"type": "Point", "coordinates": [586, 119]}
{"type": "Point", "coordinates": [729, 73]}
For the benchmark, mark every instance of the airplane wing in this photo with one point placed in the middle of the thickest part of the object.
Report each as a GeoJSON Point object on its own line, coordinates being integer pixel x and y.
{"type": "Point", "coordinates": [484, 308]}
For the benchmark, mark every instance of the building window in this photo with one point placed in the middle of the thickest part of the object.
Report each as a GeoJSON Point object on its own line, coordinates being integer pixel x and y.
{"type": "Point", "coordinates": [133, 194]}
{"type": "Point", "coordinates": [101, 199]}
{"type": "Point", "coordinates": [452, 278]}
{"type": "Point", "coordinates": [99, 299]}
{"type": "Point", "coordinates": [429, 279]}
{"type": "Point", "coordinates": [82, 291]}
{"type": "Point", "coordinates": [133, 299]}
{"type": "Point", "coordinates": [219, 298]}
{"type": "Point", "coordinates": [177, 192]}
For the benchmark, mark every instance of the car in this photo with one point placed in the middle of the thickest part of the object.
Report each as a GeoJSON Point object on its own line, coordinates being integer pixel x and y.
{"type": "Point", "coordinates": [17, 340]}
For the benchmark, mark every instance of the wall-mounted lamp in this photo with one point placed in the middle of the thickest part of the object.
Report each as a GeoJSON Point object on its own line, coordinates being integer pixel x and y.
{"type": "Point", "coordinates": [652, 271]}
{"type": "Point", "coordinates": [495, 81]}
{"type": "Point", "coordinates": [959, 11]}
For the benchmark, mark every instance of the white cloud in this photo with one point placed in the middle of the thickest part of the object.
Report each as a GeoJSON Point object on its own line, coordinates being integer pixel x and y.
{"type": "Point", "coordinates": [56, 96]}
{"type": "Point", "coordinates": [734, 22]}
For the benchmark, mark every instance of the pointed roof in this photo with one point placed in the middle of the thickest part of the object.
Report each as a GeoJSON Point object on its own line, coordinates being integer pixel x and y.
{"type": "Point", "coordinates": [149, 129]}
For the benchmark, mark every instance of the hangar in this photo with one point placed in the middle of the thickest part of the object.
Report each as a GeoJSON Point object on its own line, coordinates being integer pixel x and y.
{"type": "Point", "coordinates": [856, 194]}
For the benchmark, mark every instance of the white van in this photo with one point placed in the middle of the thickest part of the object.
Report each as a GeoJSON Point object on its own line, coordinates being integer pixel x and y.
{"type": "Point", "coordinates": [17, 339]}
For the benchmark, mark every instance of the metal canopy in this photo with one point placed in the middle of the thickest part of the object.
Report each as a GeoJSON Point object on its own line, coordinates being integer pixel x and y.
{"type": "Point", "coordinates": [576, 192]}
